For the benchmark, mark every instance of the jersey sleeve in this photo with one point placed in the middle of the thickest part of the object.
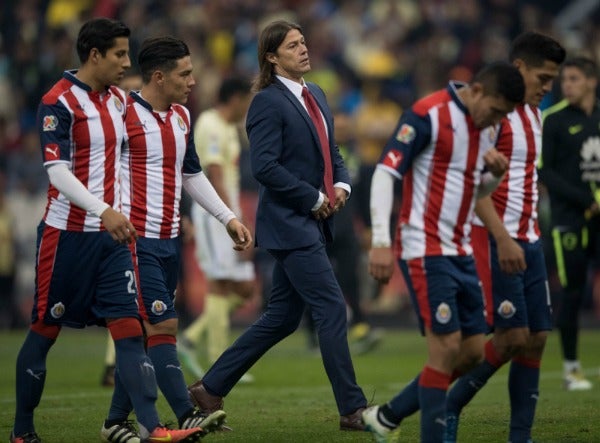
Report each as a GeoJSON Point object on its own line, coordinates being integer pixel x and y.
{"type": "Point", "coordinates": [191, 162]}
{"type": "Point", "coordinates": [410, 137]}
{"type": "Point", "coordinates": [54, 125]}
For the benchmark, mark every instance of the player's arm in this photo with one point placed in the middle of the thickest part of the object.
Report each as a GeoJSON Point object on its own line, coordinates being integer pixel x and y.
{"type": "Point", "coordinates": [201, 190]}
{"type": "Point", "coordinates": [119, 226]}
{"type": "Point", "coordinates": [496, 165]}
{"type": "Point", "coordinates": [381, 259]}
{"type": "Point", "coordinates": [412, 134]}
{"type": "Point", "coordinates": [54, 122]}
{"type": "Point", "coordinates": [510, 255]}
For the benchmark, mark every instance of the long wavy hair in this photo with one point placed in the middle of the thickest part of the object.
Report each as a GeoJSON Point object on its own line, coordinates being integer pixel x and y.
{"type": "Point", "coordinates": [270, 39]}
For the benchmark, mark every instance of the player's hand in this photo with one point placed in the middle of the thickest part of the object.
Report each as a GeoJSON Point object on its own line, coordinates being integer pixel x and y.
{"type": "Point", "coordinates": [510, 256]}
{"type": "Point", "coordinates": [592, 211]}
{"type": "Point", "coordinates": [496, 162]}
{"type": "Point", "coordinates": [324, 210]}
{"type": "Point", "coordinates": [340, 199]}
{"type": "Point", "coordinates": [239, 234]}
{"type": "Point", "coordinates": [381, 264]}
{"type": "Point", "coordinates": [118, 226]}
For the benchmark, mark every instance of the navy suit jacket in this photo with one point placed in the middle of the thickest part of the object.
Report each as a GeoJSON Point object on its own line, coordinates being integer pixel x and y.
{"type": "Point", "coordinates": [286, 160]}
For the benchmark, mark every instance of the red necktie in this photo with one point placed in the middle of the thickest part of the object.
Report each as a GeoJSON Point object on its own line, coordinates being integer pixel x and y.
{"type": "Point", "coordinates": [315, 116]}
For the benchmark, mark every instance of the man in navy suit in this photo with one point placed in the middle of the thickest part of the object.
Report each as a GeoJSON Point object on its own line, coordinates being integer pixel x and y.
{"type": "Point", "coordinates": [302, 186]}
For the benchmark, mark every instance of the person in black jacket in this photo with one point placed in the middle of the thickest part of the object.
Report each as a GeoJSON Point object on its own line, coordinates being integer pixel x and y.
{"type": "Point", "coordinates": [570, 169]}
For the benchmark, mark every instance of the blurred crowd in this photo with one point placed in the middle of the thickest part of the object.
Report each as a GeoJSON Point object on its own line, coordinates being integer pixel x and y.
{"type": "Point", "coordinates": [373, 58]}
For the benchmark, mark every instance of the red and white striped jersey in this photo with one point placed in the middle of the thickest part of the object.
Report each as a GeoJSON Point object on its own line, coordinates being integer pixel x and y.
{"type": "Point", "coordinates": [159, 149]}
{"type": "Point", "coordinates": [438, 152]}
{"type": "Point", "coordinates": [516, 197]}
{"type": "Point", "coordinates": [83, 129]}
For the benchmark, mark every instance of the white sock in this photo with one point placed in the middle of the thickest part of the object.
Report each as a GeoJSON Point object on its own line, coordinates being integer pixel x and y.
{"type": "Point", "coordinates": [571, 366]}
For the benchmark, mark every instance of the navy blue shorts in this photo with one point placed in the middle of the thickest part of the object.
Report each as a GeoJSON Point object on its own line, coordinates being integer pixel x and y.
{"type": "Point", "coordinates": [82, 278]}
{"type": "Point", "coordinates": [522, 299]}
{"type": "Point", "coordinates": [156, 264]}
{"type": "Point", "coordinates": [446, 294]}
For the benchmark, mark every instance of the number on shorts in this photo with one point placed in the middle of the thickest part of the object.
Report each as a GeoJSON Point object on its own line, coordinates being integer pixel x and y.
{"type": "Point", "coordinates": [131, 284]}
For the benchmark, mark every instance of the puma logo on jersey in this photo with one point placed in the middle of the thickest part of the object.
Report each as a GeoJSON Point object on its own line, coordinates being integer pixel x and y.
{"type": "Point", "coordinates": [575, 129]}
{"type": "Point", "coordinates": [393, 159]}
{"type": "Point", "coordinates": [51, 152]}
{"type": "Point", "coordinates": [37, 376]}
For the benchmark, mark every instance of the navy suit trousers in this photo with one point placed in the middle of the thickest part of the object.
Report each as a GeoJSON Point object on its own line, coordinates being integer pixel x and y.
{"type": "Point", "coordinates": [301, 277]}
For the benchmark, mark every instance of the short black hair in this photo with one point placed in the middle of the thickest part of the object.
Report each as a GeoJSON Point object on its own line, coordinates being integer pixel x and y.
{"type": "Point", "coordinates": [584, 64]}
{"type": "Point", "coordinates": [535, 48]}
{"type": "Point", "coordinates": [99, 33]}
{"type": "Point", "coordinates": [502, 78]}
{"type": "Point", "coordinates": [232, 86]}
{"type": "Point", "coordinates": [160, 53]}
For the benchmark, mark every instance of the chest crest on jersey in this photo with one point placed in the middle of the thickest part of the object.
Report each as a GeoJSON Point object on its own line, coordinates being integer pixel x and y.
{"type": "Point", "coordinates": [181, 124]}
{"type": "Point", "coordinates": [118, 104]}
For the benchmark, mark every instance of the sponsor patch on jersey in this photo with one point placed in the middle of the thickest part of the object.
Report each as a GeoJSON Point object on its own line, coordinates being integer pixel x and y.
{"type": "Point", "coordinates": [443, 314]}
{"type": "Point", "coordinates": [118, 104]}
{"type": "Point", "coordinates": [51, 152]}
{"type": "Point", "coordinates": [506, 309]}
{"type": "Point", "coordinates": [181, 123]}
{"type": "Point", "coordinates": [58, 310]}
{"type": "Point", "coordinates": [590, 150]}
{"type": "Point", "coordinates": [49, 123]}
{"type": "Point", "coordinates": [158, 307]}
{"type": "Point", "coordinates": [393, 158]}
{"type": "Point", "coordinates": [406, 133]}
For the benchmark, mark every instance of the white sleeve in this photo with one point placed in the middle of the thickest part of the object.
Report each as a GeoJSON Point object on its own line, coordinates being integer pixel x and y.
{"type": "Point", "coordinates": [381, 203]}
{"type": "Point", "coordinates": [489, 183]}
{"type": "Point", "coordinates": [68, 185]}
{"type": "Point", "coordinates": [203, 193]}
{"type": "Point", "coordinates": [319, 202]}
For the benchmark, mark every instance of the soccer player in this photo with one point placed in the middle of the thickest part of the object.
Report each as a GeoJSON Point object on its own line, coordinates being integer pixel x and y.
{"type": "Point", "coordinates": [569, 169]}
{"type": "Point", "coordinates": [84, 272]}
{"type": "Point", "coordinates": [509, 252]}
{"type": "Point", "coordinates": [439, 150]}
{"type": "Point", "coordinates": [230, 277]}
{"type": "Point", "coordinates": [159, 157]}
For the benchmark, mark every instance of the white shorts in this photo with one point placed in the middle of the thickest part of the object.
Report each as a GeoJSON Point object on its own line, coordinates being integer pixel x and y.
{"type": "Point", "coordinates": [214, 249]}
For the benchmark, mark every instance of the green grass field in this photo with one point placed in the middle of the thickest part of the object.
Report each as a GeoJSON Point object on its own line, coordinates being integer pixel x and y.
{"type": "Point", "coordinates": [291, 400]}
